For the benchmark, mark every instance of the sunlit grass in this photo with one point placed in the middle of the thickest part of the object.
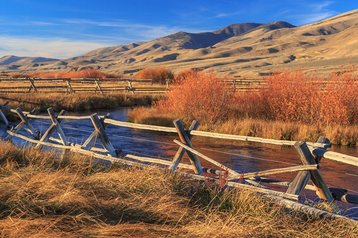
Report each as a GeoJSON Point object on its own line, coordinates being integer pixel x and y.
{"type": "Point", "coordinates": [44, 196]}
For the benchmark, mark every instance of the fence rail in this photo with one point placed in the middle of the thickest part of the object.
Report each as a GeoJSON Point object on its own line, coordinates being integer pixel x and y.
{"type": "Point", "coordinates": [80, 85]}
{"type": "Point", "coordinates": [109, 85]}
{"type": "Point", "coordinates": [309, 154]}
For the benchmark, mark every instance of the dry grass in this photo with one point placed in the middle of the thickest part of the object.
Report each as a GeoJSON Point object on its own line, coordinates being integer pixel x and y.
{"type": "Point", "coordinates": [43, 196]}
{"type": "Point", "coordinates": [77, 102]}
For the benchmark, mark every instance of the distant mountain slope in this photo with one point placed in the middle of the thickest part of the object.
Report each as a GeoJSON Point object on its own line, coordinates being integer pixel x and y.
{"type": "Point", "coordinates": [15, 62]}
{"type": "Point", "coordinates": [247, 50]}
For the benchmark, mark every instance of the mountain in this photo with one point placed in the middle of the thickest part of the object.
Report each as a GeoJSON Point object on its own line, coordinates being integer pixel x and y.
{"type": "Point", "coordinates": [246, 50]}
{"type": "Point", "coordinates": [15, 62]}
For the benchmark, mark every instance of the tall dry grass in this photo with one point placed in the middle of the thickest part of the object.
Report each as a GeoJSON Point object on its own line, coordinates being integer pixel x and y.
{"type": "Point", "coordinates": [77, 102]}
{"type": "Point", "coordinates": [42, 195]}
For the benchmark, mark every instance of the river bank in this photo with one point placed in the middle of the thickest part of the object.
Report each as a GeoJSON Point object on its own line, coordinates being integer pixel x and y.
{"type": "Point", "coordinates": [77, 102]}
{"type": "Point", "coordinates": [346, 135]}
{"type": "Point", "coordinates": [42, 195]}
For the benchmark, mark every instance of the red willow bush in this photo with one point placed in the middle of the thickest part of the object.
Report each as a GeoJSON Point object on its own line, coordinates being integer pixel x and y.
{"type": "Point", "coordinates": [158, 75]}
{"type": "Point", "coordinates": [200, 96]}
{"type": "Point", "coordinates": [294, 96]}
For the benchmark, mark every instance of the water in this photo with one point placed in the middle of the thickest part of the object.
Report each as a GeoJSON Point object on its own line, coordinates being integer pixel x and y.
{"type": "Point", "coordinates": [240, 156]}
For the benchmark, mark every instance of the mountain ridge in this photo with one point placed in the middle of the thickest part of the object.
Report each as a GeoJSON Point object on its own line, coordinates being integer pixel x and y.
{"type": "Point", "coordinates": [244, 49]}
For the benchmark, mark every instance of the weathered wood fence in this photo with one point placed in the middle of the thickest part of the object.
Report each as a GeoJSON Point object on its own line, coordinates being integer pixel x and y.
{"type": "Point", "coordinates": [80, 85]}
{"type": "Point", "coordinates": [309, 154]}
{"type": "Point", "coordinates": [115, 85]}
{"type": "Point", "coordinates": [110, 85]}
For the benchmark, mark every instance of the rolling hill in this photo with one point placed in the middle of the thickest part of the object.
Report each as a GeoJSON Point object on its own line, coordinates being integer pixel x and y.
{"type": "Point", "coordinates": [246, 50]}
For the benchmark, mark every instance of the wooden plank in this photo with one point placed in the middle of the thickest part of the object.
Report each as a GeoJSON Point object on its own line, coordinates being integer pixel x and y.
{"type": "Point", "coordinates": [181, 151]}
{"type": "Point", "coordinates": [3, 108]}
{"type": "Point", "coordinates": [237, 175]}
{"type": "Point", "coordinates": [233, 173]}
{"type": "Point", "coordinates": [299, 183]}
{"type": "Point", "coordinates": [331, 155]}
{"type": "Point", "coordinates": [102, 135]}
{"type": "Point", "coordinates": [32, 85]}
{"type": "Point", "coordinates": [184, 137]}
{"type": "Point", "coordinates": [25, 124]}
{"type": "Point", "coordinates": [307, 158]}
{"type": "Point", "coordinates": [98, 86]}
{"type": "Point", "coordinates": [280, 171]}
{"type": "Point", "coordinates": [69, 86]}
{"type": "Point", "coordinates": [50, 130]}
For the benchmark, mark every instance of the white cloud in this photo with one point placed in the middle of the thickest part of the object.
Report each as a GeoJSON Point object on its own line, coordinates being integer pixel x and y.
{"type": "Point", "coordinates": [63, 38]}
{"type": "Point", "coordinates": [314, 13]}
{"type": "Point", "coordinates": [45, 47]}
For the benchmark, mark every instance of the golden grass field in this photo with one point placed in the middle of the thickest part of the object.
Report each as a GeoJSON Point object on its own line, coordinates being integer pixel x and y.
{"type": "Point", "coordinates": [76, 102]}
{"type": "Point", "coordinates": [44, 196]}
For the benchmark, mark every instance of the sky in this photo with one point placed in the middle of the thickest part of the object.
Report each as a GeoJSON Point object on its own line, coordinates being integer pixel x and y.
{"type": "Point", "coordinates": [67, 28]}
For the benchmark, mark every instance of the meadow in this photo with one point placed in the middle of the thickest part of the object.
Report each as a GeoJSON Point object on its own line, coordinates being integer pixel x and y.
{"type": "Point", "coordinates": [43, 195]}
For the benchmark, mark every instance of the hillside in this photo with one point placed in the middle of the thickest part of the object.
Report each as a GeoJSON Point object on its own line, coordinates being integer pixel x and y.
{"type": "Point", "coordinates": [248, 50]}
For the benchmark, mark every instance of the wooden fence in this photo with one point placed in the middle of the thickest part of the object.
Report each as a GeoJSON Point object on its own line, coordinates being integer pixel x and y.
{"type": "Point", "coordinates": [80, 85]}
{"type": "Point", "coordinates": [309, 154]}
{"type": "Point", "coordinates": [115, 85]}
{"type": "Point", "coordinates": [103, 86]}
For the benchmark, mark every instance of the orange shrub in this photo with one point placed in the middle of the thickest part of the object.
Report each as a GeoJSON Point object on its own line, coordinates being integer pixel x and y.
{"type": "Point", "coordinates": [297, 97]}
{"type": "Point", "coordinates": [200, 96]}
{"type": "Point", "coordinates": [183, 75]}
{"type": "Point", "coordinates": [158, 75]}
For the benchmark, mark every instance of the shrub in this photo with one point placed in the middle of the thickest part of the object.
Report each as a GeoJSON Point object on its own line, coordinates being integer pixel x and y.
{"type": "Point", "coordinates": [310, 99]}
{"type": "Point", "coordinates": [158, 75]}
{"type": "Point", "coordinates": [200, 96]}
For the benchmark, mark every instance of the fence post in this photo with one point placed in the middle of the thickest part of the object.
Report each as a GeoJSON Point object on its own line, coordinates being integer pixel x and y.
{"type": "Point", "coordinates": [299, 183]}
{"type": "Point", "coordinates": [185, 139]}
{"type": "Point", "coordinates": [3, 107]}
{"type": "Point", "coordinates": [307, 158]}
{"type": "Point", "coordinates": [25, 124]}
{"type": "Point", "coordinates": [69, 86]}
{"type": "Point", "coordinates": [98, 86]}
{"type": "Point", "coordinates": [181, 151]}
{"type": "Point", "coordinates": [130, 86]}
{"type": "Point", "coordinates": [54, 126]}
{"type": "Point", "coordinates": [32, 85]}
{"type": "Point", "coordinates": [234, 85]}
{"type": "Point", "coordinates": [102, 135]}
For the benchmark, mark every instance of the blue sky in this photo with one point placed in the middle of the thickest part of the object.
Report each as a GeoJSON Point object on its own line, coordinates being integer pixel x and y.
{"type": "Point", "coordinates": [66, 28]}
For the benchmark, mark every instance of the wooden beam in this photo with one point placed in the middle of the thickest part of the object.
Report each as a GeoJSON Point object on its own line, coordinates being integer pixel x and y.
{"type": "Point", "coordinates": [184, 137]}
{"type": "Point", "coordinates": [25, 124]}
{"type": "Point", "coordinates": [54, 126]}
{"type": "Point", "coordinates": [32, 85]}
{"type": "Point", "coordinates": [3, 108]}
{"type": "Point", "coordinates": [280, 171]}
{"type": "Point", "coordinates": [69, 86]}
{"type": "Point", "coordinates": [181, 151]}
{"type": "Point", "coordinates": [102, 135]}
{"type": "Point", "coordinates": [299, 183]}
{"type": "Point", "coordinates": [307, 158]}
{"type": "Point", "coordinates": [98, 86]}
